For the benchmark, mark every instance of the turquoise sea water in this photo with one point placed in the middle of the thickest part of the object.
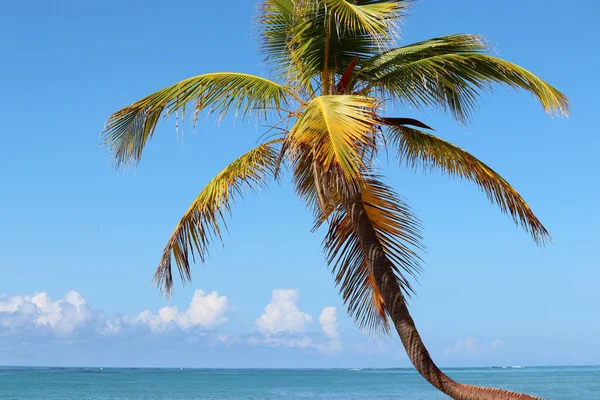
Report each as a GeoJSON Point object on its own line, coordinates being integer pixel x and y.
{"type": "Point", "coordinates": [559, 383]}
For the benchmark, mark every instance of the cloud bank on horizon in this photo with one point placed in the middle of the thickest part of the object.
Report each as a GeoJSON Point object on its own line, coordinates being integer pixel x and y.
{"type": "Point", "coordinates": [37, 325]}
{"type": "Point", "coordinates": [282, 324]}
{"type": "Point", "coordinates": [61, 317]}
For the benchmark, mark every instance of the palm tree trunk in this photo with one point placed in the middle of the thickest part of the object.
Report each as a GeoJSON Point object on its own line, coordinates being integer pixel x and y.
{"type": "Point", "coordinates": [396, 306]}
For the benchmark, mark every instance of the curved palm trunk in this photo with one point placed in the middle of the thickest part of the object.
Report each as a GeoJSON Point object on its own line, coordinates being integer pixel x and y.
{"type": "Point", "coordinates": [403, 322]}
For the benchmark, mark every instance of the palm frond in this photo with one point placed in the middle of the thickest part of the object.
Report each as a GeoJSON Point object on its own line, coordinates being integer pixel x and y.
{"type": "Point", "coordinates": [281, 24]}
{"type": "Point", "coordinates": [377, 19]}
{"type": "Point", "coordinates": [450, 44]}
{"type": "Point", "coordinates": [397, 229]}
{"type": "Point", "coordinates": [303, 38]}
{"type": "Point", "coordinates": [421, 149]}
{"type": "Point", "coordinates": [128, 130]}
{"type": "Point", "coordinates": [450, 72]}
{"type": "Point", "coordinates": [203, 220]}
{"type": "Point", "coordinates": [338, 129]}
{"type": "Point", "coordinates": [318, 188]}
{"type": "Point", "coordinates": [395, 121]}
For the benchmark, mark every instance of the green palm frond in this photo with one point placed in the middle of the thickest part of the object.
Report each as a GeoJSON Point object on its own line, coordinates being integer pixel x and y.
{"type": "Point", "coordinates": [420, 149]}
{"type": "Point", "coordinates": [397, 229]}
{"type": "Point", "coordinates": [338, 129]}
{"type": "Point", "coordinates": [281, 24]}
{"type": "Point", "coordinates": [451, 72]}
{"type": "Point", "coordinates": [128, 130]}
{"type": "Point", "coordinates": [376, 19]}
{"type": "Point", "coordinates": [202, 221]}
{"type": "Point", "coordinates": [450, 44]}
{"type": "Point", "coordinates": [303, 39]}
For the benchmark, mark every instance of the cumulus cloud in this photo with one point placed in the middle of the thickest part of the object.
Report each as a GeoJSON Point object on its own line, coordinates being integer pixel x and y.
{"type": "Point", "coordinates": [72, 313]}
{"type": "Point", "coordinates": [328, 321]}
{"type": "Point", "coordinates": [205, 310]}
{"type": "Point", "coordinates": [470, 346]}
{"type": "Point", "coordinates": [62, 316]}
{"type": "Point", "coordinates": [282, 314]}
{"type": "Point", "coordinates": [284, 325]}
{"type": "Point", "coordinates": [329, 325]}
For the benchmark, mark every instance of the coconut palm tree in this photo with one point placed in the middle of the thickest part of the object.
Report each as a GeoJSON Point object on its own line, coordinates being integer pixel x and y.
{"type": "Point", "coordinates": [334, 65]}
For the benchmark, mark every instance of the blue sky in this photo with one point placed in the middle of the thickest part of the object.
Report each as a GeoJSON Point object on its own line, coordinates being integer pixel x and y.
{"type": "Point", "coordinates": [79, 241]}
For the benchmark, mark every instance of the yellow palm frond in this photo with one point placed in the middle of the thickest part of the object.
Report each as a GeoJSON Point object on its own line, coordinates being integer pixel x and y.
{"type": "Point", "coordinates": [202, 221]}
{"type": "Point", "coordinates": [421, 149]}
{"type": "Point", "coordinates": [338, 129]}
{"type": "Point", "coordinates": [128, 130]}
{"type": "Point", "coordinates": [315, 186]}
{"type": "Point", "coordinates": [397, 229]}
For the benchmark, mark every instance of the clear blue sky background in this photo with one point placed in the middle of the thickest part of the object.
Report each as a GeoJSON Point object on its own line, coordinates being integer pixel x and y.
{"type": "Point", "coordinates": [68, 221]}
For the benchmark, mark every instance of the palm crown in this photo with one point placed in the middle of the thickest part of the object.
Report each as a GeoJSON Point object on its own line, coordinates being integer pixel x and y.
{"type": "Point", "coordinates": [334, 64]}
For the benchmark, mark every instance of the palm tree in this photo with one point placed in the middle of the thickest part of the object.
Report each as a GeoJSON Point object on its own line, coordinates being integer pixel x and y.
{"type": "Point", "coordinates": [335, 64]}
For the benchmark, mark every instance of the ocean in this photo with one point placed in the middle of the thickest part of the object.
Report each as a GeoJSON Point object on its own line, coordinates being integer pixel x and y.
{"type": "Point", "coordinates": [23, 383]}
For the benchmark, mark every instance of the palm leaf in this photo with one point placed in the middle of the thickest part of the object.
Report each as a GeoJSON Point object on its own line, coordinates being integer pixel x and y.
{"type": "Point", "coordinates": [420, 149]}
{"type": "Point", "coordinates": [397, 229]}
{"type": "Point", "coordinates": [315, 186]}
{"type": "Point", "coordinates": [338, 129]}
{"type": "Point", "coordinates": [128, 130]}
{"type": "Point", "coordinates": [451, 72]}
{"type": "Point", "coordinates": [395, 121]}
{"type": "Point", "coordinates": [281, 24]}
{"type": "Point", "coordinates": [302, 39]}
{"type": "Point", "coordinates": [202, 221]}
{"type": "Point", "coordinates": [450, 44]}
{"type": "Point", "coordinates": [376, 19]}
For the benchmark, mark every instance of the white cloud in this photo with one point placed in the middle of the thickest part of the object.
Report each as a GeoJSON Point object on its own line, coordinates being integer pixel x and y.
{"type": "Point", "coordinates": [470, 346]}
{"type": "Point", "coordinates": [329, 325]}
{"type": "Point", "coordinates": [282, 314]}
{"type": "Point", "coordinates": [205, 310]}
{"type": "Point", "coordinates": [284, 325]}
{"type": "Point", "coordinates": [10, 304]}
{"type": "Point", "coordinates": [62, 316]}
{"type": "Point", "coordinates": [328, 321]}
{"type": "Point", "coordinates": [67, 315]}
